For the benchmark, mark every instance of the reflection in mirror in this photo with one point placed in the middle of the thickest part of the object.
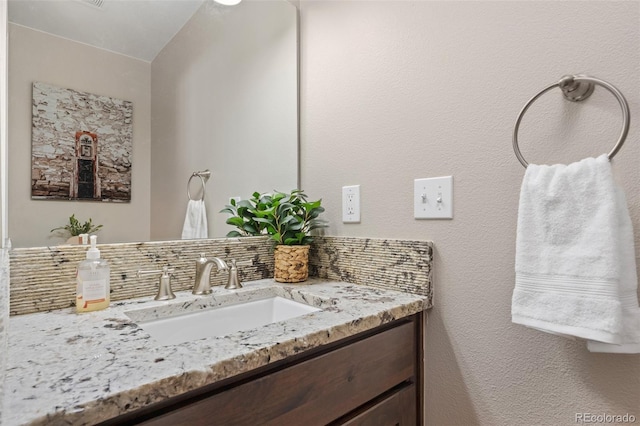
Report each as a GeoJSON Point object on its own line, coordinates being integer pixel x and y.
{"type": "Point", "coordinates": [215, 88]}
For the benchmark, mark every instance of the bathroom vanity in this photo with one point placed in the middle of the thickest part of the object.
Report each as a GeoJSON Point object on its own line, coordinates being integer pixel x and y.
{"type": "Point", "coordinates": [370, 378]}
{"type": "Point", "coordinates": [358, 360]}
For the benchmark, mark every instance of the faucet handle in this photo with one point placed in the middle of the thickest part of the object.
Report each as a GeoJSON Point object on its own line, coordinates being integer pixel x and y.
{"type": "Point", "coordinates": [201, 260]}
{"type": "Point", "coordinates": [164, 288]}
{"type": "Point", "coordinates": [234, 281]}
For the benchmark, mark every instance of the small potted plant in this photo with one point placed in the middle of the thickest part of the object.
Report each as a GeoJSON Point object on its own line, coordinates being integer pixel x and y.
{"type": "Point", "coordinates": [288, 219]}
{"type": "Point", "coordinates": [75, 229]}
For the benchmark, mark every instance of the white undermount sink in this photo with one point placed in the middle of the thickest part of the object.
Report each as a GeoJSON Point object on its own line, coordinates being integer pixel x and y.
{"type": "Point", "coordinates": [183, 322]}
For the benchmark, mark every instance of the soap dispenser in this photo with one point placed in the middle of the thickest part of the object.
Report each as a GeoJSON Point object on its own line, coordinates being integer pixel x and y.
{"type": "Point", "coordinates": [92, 275]}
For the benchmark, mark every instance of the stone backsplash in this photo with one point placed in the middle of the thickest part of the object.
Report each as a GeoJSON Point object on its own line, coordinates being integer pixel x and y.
{"type": "Point", "coordinates": [4, 317]}
{"type": "Point", "coordinates": [43, 278]}
{"type": "Point", "coordinates": [403, 265]}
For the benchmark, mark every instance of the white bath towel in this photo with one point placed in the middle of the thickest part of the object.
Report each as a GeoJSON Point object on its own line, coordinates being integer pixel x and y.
{"type": "Point", "coordinates": [569, 247]}
{"type": "Point", "coordinates": [628, 288]}
{"type": "Point", "coordinates": [195, 221]}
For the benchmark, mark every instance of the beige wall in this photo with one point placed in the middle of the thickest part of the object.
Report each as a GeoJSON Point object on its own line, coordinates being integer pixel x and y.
{"type": "Point", "coordinates": [4, 192]}
{"type": "Point", "coordinates": [224, 96]}
{"type": "Point", "coordinates": [397, 90]}
{"type": "Point", "coordinates": [37, 56]}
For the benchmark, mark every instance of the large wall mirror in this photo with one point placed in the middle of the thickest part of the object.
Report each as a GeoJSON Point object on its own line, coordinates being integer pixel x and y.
{"type": "Point", "coordinates": [213, 87]}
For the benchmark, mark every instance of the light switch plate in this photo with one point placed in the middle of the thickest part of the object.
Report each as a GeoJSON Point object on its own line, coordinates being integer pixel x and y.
{"type": "Point", "coordinates": [351, 204]}
{"type": "Point", "coordinates": [433, 198]}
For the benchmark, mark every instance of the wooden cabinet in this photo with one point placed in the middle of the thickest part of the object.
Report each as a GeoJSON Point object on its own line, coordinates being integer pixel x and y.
{"type": "Point", "coordinates": [374, 378]}
{"type": "Point", "coordinates": [398, 408]}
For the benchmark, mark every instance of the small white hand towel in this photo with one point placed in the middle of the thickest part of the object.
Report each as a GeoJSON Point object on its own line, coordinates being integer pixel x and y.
{"type": "Point", "coordinates": [628, 288]}
{"type": "Point", "coordinates": [568, 252]}
{"type": "Point", "coordinates": [195, 221]}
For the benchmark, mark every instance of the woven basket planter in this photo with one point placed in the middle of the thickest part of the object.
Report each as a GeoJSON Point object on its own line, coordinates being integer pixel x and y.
{"type": "Point", "coordinates": [291, 263]}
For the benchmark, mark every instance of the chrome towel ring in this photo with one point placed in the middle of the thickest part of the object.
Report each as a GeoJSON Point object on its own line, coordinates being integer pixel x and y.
{"type": "Point", "coordinates": [204, 177]}
{"type": "Point", "coordinates": [576, 88]}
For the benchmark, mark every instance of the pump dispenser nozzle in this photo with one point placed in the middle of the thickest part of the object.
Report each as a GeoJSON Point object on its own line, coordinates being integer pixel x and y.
{"type": "Point", "coordinates": [93, 252]}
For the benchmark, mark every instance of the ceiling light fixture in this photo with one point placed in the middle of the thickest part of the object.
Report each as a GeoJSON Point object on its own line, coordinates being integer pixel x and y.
{"type": "Point", "coordinates": [94, 3]}
{"type": "Point", "coordinates": [228, 2]}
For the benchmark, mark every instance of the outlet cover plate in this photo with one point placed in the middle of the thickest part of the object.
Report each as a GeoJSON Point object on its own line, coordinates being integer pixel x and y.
{"type": "Point", "coordinates": [351, 204]}
{"type": "Point", "coordinates": [433, 198]}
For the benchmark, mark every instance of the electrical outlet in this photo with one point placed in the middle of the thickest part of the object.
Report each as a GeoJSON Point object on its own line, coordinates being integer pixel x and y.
{"type": "Point", "coordinates": [351, 204]}
{"type": "Point", "coordinates": [433, 198]}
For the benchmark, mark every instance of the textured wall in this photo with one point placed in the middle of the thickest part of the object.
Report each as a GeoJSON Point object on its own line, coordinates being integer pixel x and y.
{"type": "Point", "coordinates": [37, 56]}
{"type": "Point", "coordinates": [397, 90]}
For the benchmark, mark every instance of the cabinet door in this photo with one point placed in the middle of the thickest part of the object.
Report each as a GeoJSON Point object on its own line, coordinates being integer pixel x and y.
{"type": "Point", "coordinates": [398, 409]}
{"type": "Point", "coordinates": [314, 392]}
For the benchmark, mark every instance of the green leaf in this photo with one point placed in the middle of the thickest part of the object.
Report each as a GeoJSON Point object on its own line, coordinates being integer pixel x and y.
{"type": "Point", "coordinates": [261, 220]}
{"type": "Point", "coordinates": [266, 212]}
{"type": "Point", "coordinates": [287, 220]}
{"type": "Point", "coordinates": [277, 196]}
{"type": "Point", "coordinates": [245, 203]}
{"type": "Point", "coordinates": [233, 234]}
{"type": "Point", "coordinates": [266, 200]}
{"type": "Point", "coordinates": [312, 205]}
{"type": "Point", "coordinates": [250, 228]}
{"type": "Point", "coordinates": [276, 237]}
{"type": "Point", "coordinates": [237, 221]}
{"type": "Point", "coordinates": [317, 226]}
{"type": "Point", "coordinates": [246, 213]}
{"type": "Point", "coordinates": [295, 226]}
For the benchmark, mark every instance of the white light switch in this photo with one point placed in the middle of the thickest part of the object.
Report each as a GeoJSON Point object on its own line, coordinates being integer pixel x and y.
{"type": "Point", "coordinates": [433, 198]}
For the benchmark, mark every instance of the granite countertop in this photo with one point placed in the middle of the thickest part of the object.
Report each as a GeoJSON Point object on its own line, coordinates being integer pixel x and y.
{"type": "Point", "coordinates": [78, 369]}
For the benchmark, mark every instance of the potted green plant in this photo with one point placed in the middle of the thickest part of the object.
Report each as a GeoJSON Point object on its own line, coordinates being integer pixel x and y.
{"type": "Point", "coordinates": [75, 228]}
{"type": "Point", "coordinates": [288, 219]}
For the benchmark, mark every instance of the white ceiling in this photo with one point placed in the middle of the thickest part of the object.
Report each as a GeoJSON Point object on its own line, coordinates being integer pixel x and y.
{"type": "Point", "coordinates": [136, 28]}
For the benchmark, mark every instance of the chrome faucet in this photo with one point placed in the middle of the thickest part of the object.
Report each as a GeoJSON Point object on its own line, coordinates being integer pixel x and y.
{"type": "Point", "coordinates": [203, 273]}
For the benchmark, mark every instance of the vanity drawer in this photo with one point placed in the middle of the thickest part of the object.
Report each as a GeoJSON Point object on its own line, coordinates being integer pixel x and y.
{"type": "Point", "coordinates": [314, 392]}
{"type": "Point", "coordinates": [397, 409]}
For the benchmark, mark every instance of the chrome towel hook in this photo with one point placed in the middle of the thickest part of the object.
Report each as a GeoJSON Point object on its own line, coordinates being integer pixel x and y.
{"type": "Point", "coordinates": [204, 177]}
{"type": "Point", "coordinates": [576, 88]}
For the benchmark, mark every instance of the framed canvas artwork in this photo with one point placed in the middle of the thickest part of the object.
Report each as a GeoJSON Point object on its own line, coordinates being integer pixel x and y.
{"type": "Point", "coordinates": [81, 145]}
